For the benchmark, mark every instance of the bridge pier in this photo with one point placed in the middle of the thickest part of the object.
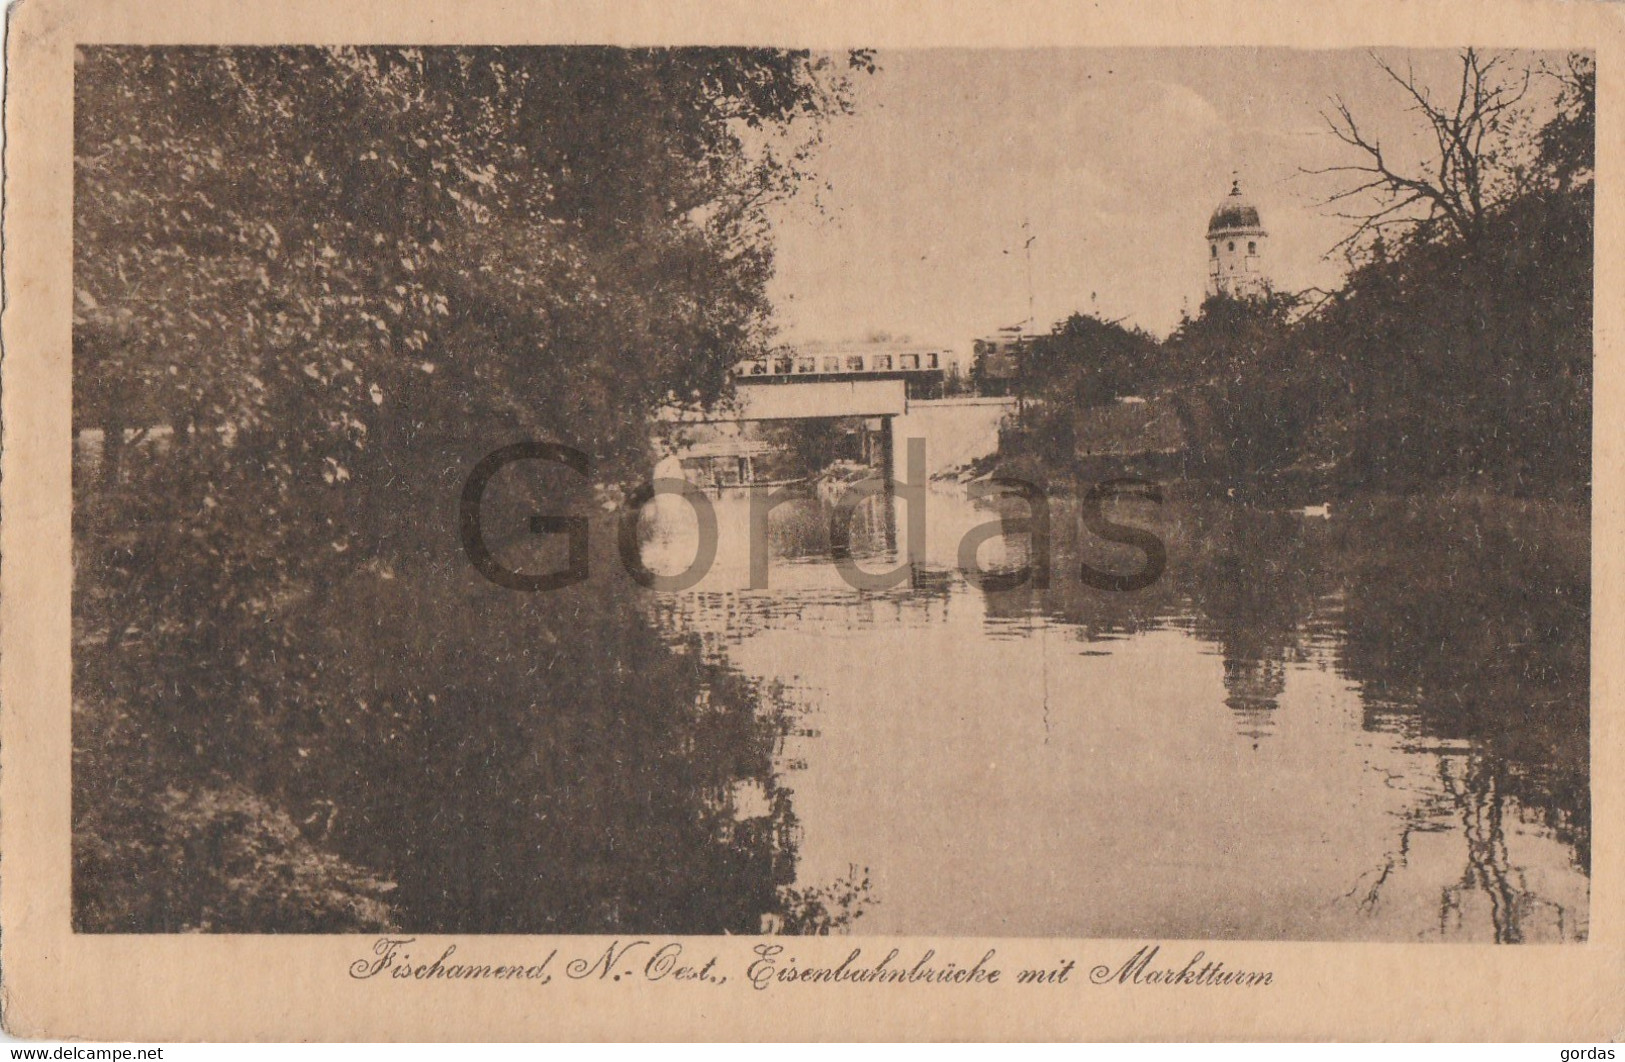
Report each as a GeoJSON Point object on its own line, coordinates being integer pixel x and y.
{"type": "Point", "coordinates": [888, 453]}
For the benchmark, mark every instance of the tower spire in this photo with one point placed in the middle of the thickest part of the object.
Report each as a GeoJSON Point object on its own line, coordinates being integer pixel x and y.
{"type": "Point", "coordinates": [1236, 240]}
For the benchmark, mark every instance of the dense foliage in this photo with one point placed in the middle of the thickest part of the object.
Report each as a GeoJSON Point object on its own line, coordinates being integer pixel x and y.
{"type": "Point", "coordinates": [313, 287]}
{"type": "Point", "coordinates": [1084, 361]}
{"type": "Point", "coordinates": [1458, 351]}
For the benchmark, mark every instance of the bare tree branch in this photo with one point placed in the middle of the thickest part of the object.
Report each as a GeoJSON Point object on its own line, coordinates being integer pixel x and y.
{"type": "Point", "coordinates": [1473, 170]}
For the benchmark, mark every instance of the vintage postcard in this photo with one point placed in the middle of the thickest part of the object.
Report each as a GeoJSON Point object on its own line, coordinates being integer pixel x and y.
{"type": "Point", "coordinates": [824, 521]}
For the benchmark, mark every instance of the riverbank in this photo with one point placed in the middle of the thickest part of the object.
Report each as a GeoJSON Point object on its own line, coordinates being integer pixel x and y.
{"type": "Point", "coordinates": [436, 753]}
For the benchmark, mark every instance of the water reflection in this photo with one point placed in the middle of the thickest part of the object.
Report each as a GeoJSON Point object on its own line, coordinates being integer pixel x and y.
{"type": "Point", "coordinates": [1370, 727]}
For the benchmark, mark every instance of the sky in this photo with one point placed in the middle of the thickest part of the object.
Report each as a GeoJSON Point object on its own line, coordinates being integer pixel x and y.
{"type": "Point", "coordinates": [1111, 160]}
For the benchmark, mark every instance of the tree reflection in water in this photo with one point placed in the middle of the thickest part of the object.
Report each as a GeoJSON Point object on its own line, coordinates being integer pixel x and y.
{"type": "Point", "coordinates": [1465, 624]}
{"type": "Point", "coordinates": [1451, 632]}
{"type": "Point", "coordinates": [559, 765]}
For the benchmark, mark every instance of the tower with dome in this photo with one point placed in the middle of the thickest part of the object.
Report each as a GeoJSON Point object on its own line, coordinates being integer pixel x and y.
{"type": "Point", "coordinates": [1236, 241]}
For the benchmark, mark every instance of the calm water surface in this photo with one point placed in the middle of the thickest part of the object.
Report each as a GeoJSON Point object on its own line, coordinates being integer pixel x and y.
{"type": "Point", "coordinates": [1368, 727]}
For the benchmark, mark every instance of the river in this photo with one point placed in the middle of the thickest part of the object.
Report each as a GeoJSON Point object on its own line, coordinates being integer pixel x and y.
{"type": "Point", "coordinates": [1366, 726]}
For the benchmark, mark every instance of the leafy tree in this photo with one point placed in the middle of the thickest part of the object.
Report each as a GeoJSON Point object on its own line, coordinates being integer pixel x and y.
{"type": "Point", "coordinates": [1090, 361]}
{"type": "Point", "coordinates": [1465, 344]}
{"type": "Point", "coordinates": [1244, 387]}
{"type": "Point", "coordinates": [312, 287]}
{"type": "Point", "coordinates": [1568, 142]}
{"type": "Point", "coordinates": [1084, 361]}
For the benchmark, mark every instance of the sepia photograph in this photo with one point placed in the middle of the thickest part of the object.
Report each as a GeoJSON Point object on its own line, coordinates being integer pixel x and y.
{"type": "Point", "coordinates": [1130, 493]}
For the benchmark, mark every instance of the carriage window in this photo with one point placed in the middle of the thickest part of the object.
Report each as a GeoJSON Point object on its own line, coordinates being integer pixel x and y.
{"type": "Point", "coordinates": [781, 366]}
{"type": "Point", "coordinates": [854, 363]}
{"type": "Point", "coordinates": [806, 365]}
{"type": "Point", "coordinates": [832, 364]}
{"type": "Point", "coordinates": [908, 361]}
{"type": "Point", "coordinates": [881, 362]}
{"type": "Point", "coordinates": [758, 368]}
{"type": "Point", "coordinates": [931, 360]}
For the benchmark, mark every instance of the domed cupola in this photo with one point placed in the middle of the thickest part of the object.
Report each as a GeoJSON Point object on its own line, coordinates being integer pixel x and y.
{"type": "Point", "coordinates": [1236, 214]}
{"type": "Point", "coordinates": [1235, 240]}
